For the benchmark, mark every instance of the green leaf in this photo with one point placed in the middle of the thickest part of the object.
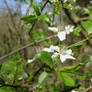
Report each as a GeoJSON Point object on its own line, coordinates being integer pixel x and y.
{"type": "Point", "coordinates": [87, 26]}
{"type": "Point", "coordinates": [42, 77]}
{"type": "Point", "coordinates": [66, 79]}
{"type": "Point", "coordinates": [26, 1]}
{"type": "Point", "coordinates": [40, 34]}
{"type": "Point", "coordinates": [46, 58]}
{"type": "Point", "coordinates": [36, 9]}
{"type": "Point", "coordinates": [72, 68]}
{"type": "Point", "coordinates": [57, 9]}
{"type": "Point", "coordinates": [68, 6]}
{"type": "Point", "coordinates": [90, 14]}
{"type": "Point", "coordinates": [53, 1]}
{"type": "Point", "coordinates": [4, 89]}
{"type": "Point", "coordinates": [77, 30]}
{"type": "Point", "coordinates": [9, 65]}
{"type": "Point", "coordinates": [29, 19]}
{"type": "Point", "coordinates": [44, 18]}
{"type": "Point", "coordinates": [73, 1]}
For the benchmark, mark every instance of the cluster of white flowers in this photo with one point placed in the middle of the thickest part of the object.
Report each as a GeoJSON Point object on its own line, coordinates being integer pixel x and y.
{"type": "Point", "coordinates": [64, 54]}
{"type": "Point", "coordinates": [62, 34]}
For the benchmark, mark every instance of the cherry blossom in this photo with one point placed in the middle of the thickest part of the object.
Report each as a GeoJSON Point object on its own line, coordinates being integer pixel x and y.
{"type": "Point", "coordinates": [64, 54]}
{"type": "Point", "coordinates": [62, 34]}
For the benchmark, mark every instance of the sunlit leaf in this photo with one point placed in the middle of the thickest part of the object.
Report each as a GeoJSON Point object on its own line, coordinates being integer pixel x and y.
{"type": "Point", "coordinates": [88, 26]}
{"type": "Point", "coordinates": [66, 79]}
{"type": "Point", "coordinates": [46, 58]}
{"type": "Point", "coordinates": [42, 77]}
{"type": "Point", "coordinates": [29, 19]}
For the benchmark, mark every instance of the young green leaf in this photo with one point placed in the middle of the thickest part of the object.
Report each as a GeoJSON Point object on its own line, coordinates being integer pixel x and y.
{"type": "Point", "coordinates": [36, 9]}
{"type": "Point", "coordinates": [66, 79]}
{"type": "Point", "coordinates": [44, 18]}
{"type": "Point", "coordinates": [88, 26]}
{"type": "Point", "coordinates": [29, 19]}
{"type": "Point", "coordinates": [46, 58]}
{"type": "Point", "coordinates": [42, 77]}
{"type": "Point", "coordinates": [77, 30]}
{"type": "Point", "coordinates": [72, 68]}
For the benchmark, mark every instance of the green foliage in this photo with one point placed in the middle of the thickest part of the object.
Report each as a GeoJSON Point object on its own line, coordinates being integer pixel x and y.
{"type": "Point", "coordinates": [42, 78]}
{"type": "Point", "coordinates": [44, 18]}
{"type": "Point", "coordinates": [40, 34]}
{"type": "Point", "coordinates": [36, 9]}
{"type": "Point", "coordinates": [46, 58]}
{"type": "Point", "coordinates": [77, 31]}
{"type": "Point", "coordinates": [53, 1]}
{"type": "Point", "coordinates": [90, 14]}
{"type": "Point", "coordinates": [68, 6]}
{"type": "Point", "coordinates": [66, 79]}
{"type": "Point", "coordinates": [5, 89]}
{"type": "Point", "coordinates": [29, 19]}
{"type": "Point", "coordinates": [57, 9]}
{"type": "Point", "coordinates": [73, 1]}
{"type": "Point", "coordinates": [15, 67]}
{"type": "Point", "coordinates": [72, 68]}
{"type": "Point", "coordinates": [88, 26]}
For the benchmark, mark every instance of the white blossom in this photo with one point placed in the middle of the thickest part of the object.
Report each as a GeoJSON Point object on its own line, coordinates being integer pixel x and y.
{"type": "Point", "coordinates": [62, 34]}
{"type": "Point", "coordinates": [54, 29]}
{"type": "Point", "coordinates": [51, 49]}
{"type": "Point", "coordinates": [66, 54]}
{"type": "Point", "coordinates": [69, 29]}
{"type": "Point", "coordinates": [54, 55]}
{"type": "Point", "coordinates": [31, 60]}
{"type": "Point", "coordinates": [63, 53]}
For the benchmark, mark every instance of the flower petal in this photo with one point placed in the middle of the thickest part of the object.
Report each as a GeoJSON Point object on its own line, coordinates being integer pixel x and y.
{"type": "Point", "coordinates": [69, 57]}
{"type": "Point", "coordinates": [47, 49]}
{"type": "Point", "coordinates": [61, 35]}
{"type": "Point", "coordinates": [54, 48]}
{"type": "Point", "coordinates": [31, 60]}
{"type": "Point", "coordinates": [69, 52]}
{"type": "Point", "coordinates": [69, 29]}
{"type": "Point", "coordinates": [54, 56]}
{"type": "Point", "coordinates": [54, 29]}
{"type": "Point", "coordinates": [62, 58]}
